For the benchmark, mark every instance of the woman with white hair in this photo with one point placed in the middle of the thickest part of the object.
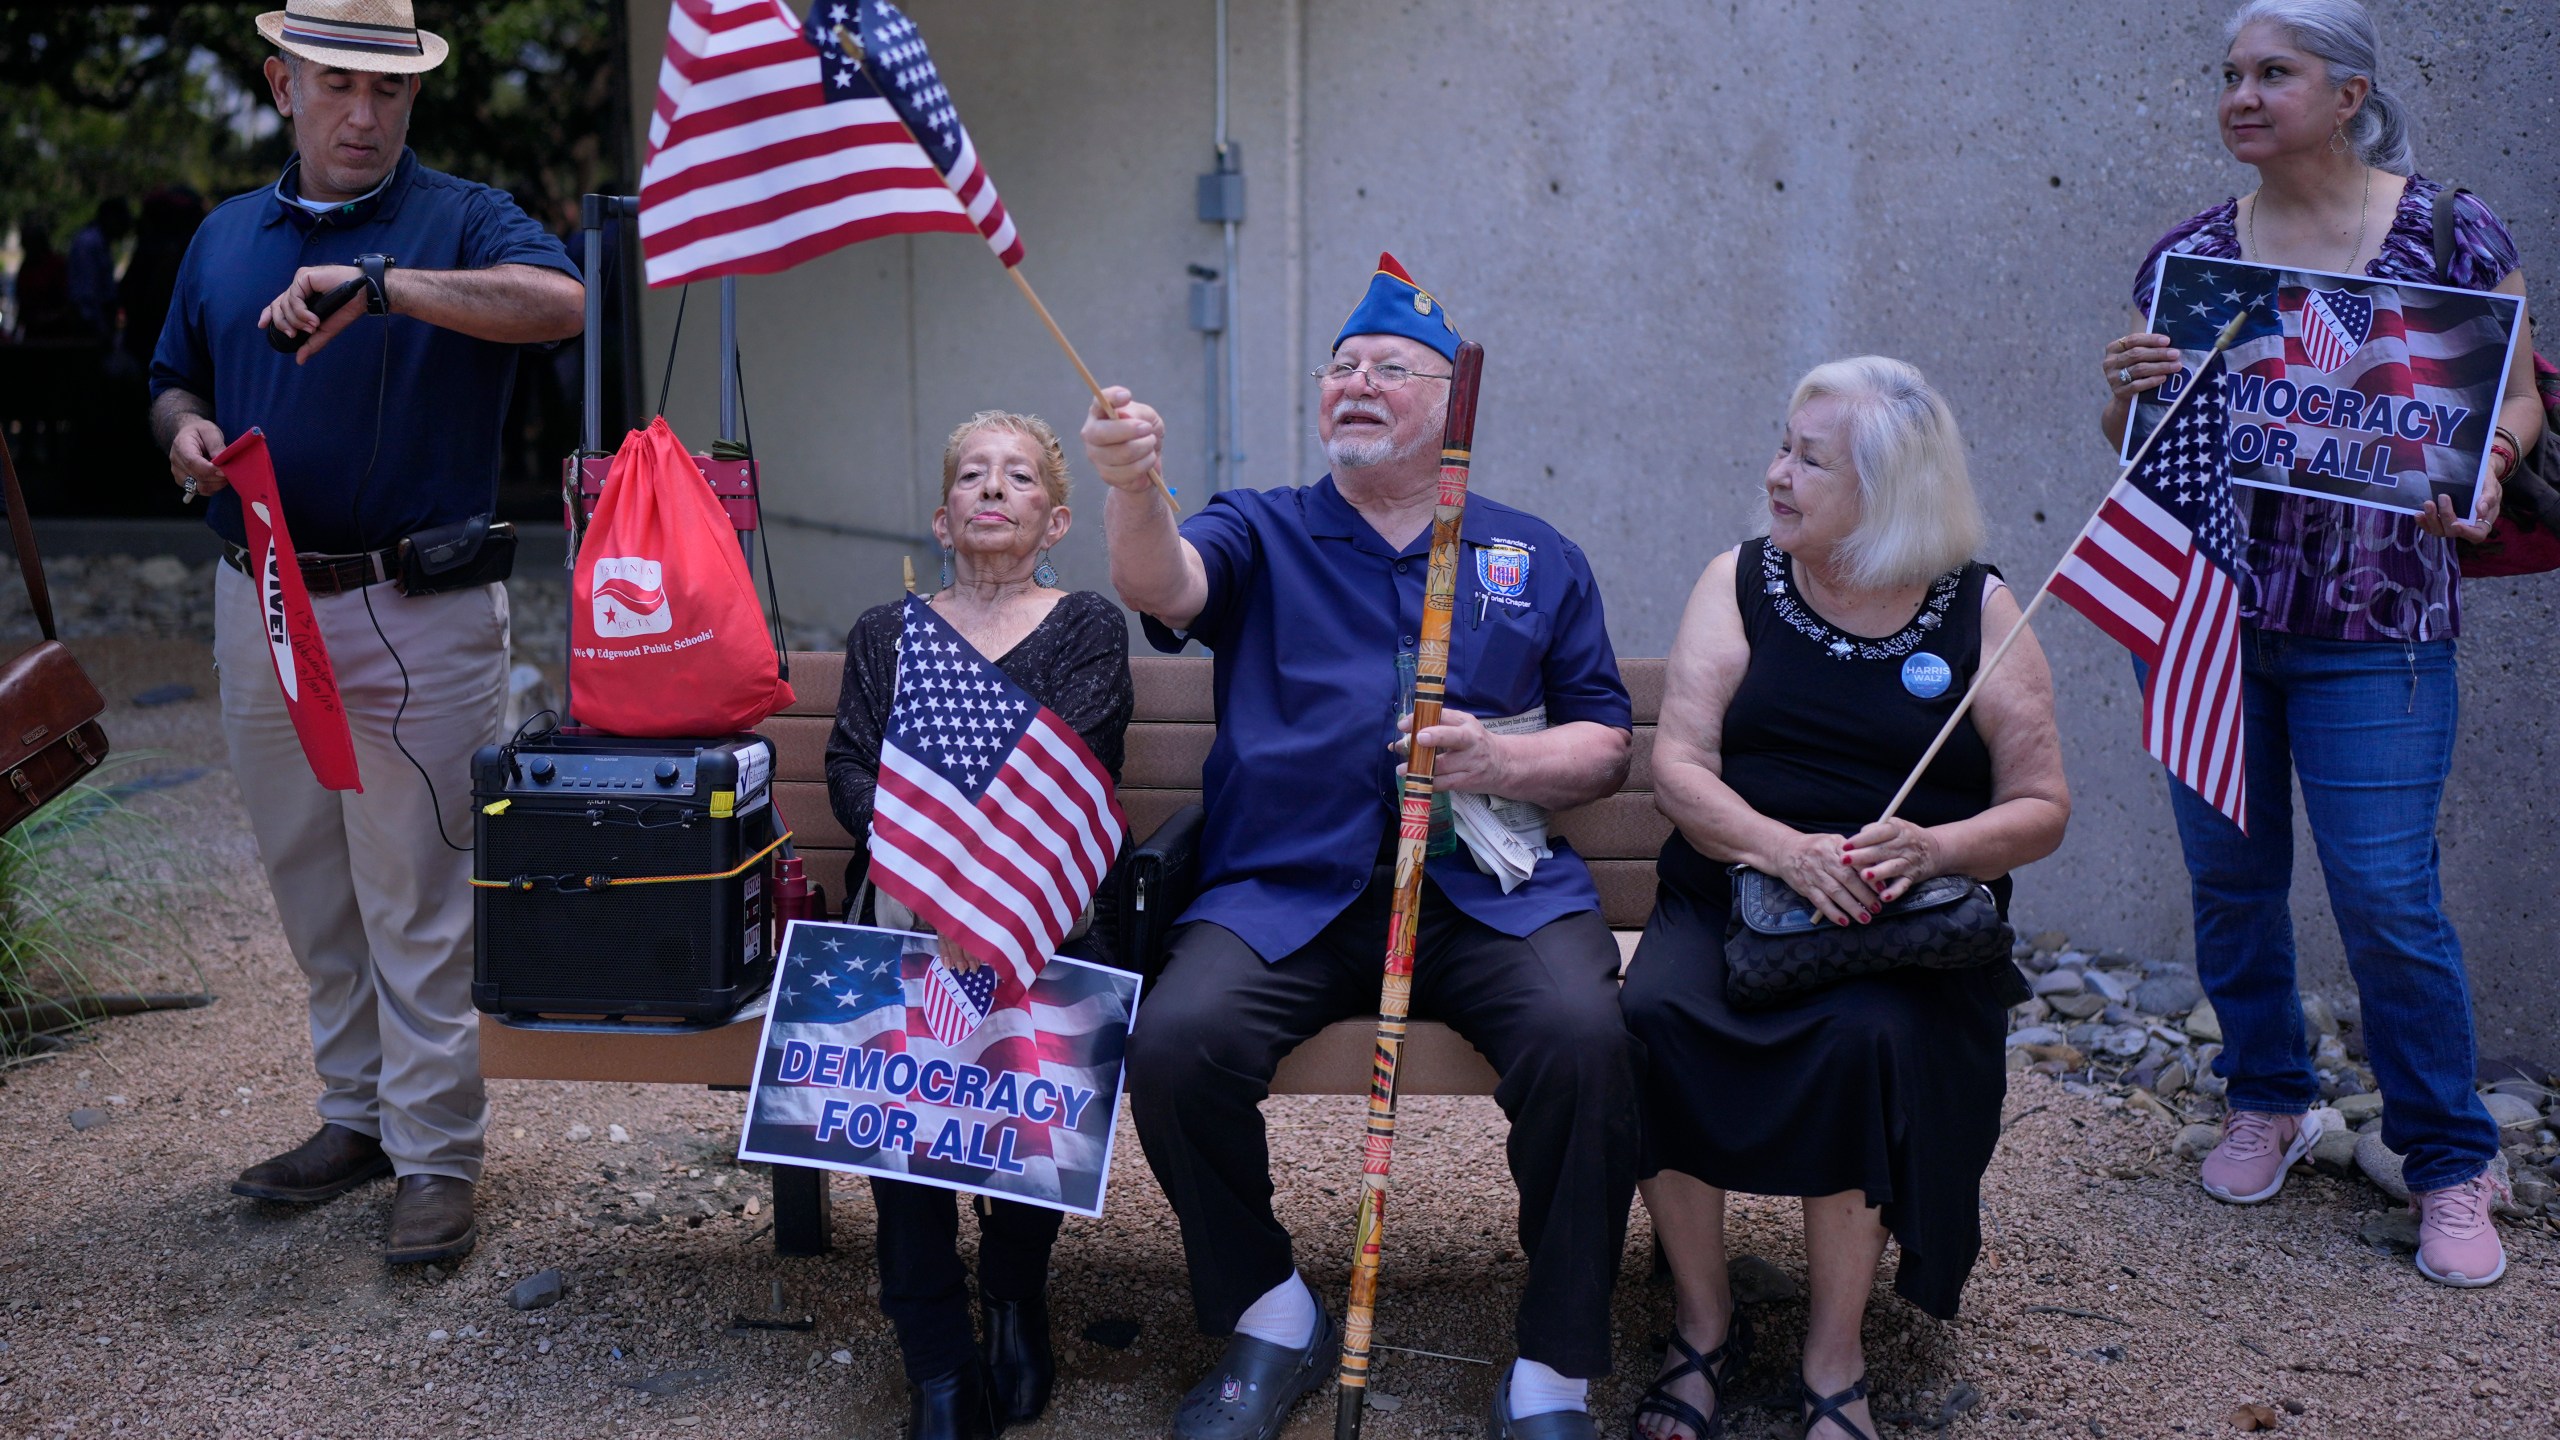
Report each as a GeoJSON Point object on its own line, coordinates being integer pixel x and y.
{"type": "Point", "coordinates": [1812, 669]}
{"type": "Point", "coordinates": [2348, 623]}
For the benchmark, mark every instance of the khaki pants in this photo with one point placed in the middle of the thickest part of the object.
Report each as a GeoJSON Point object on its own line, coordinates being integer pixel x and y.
{"type": "Point", "coordinates": [375, 905]}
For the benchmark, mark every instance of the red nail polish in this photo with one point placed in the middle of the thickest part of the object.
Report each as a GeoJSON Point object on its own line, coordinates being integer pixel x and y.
{"type": "Point", "coordinates": [1862, 917]}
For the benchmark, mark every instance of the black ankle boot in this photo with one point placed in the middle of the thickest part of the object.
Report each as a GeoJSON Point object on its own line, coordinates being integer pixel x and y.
{"type": "Point", "coordinates": [1020, 1364]}
{"type": "Point", "coordinates": [956, 1406]}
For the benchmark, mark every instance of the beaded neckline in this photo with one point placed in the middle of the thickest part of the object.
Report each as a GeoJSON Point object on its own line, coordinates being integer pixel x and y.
{"type": "Point", "coordinates": [1837, 643]}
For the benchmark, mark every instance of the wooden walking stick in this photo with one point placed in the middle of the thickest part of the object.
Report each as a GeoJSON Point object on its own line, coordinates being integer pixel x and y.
{"type": "Point", "coordinates": [1911, 782]}
{"type": "Point", "coordinates": [1413, 834]}
{"type": "Point", "coordinates": [852, 45]}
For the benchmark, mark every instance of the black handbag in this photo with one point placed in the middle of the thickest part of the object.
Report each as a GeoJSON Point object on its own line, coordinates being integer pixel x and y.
{"type": "Point", "coordinates": [1158, 881]}
{"type": "Point", "coordinates": [1777, 948]}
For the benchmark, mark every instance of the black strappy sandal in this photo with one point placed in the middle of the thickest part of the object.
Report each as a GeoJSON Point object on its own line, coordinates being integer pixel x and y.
{"type": "Point", "coordinates": [1732, 1355]}
{"type": "Point", "coordinates": [1819, 1408]}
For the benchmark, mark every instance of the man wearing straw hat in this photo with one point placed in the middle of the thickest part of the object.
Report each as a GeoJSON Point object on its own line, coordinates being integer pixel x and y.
{"type": "Point", "coordinates": [390, 434]}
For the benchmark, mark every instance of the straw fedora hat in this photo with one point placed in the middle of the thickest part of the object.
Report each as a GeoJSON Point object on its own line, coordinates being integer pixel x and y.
{"type": "Point", "coordinates": [376, 36]}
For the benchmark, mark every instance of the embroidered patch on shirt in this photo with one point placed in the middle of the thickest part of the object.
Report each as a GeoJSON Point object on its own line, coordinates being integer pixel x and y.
{"type": "Point", "coordinates": [1502, 571]}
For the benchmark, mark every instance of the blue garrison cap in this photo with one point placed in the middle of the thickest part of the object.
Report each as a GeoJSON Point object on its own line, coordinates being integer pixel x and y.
{"type": "Point", "coordinates": [1397, 306]}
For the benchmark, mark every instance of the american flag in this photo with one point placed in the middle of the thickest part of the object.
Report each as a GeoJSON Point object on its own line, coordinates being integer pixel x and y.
{"type": "Point", "coordinates": [2335, 325]}
{"type": "Point", "coordinates": [956, 1004]}
{"type": "Point", "coordinates": [992, 821]}
{"type": "Point", "coordinates": [870, 990]}
{"type": "Point", "coordinates": [2158, 567]}
{"type": "Point", "coordinates": [770, 146]}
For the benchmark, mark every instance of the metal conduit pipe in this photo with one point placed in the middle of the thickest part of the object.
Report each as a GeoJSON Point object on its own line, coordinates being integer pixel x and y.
{"type": "Point", "coordinates": [1230, 164]}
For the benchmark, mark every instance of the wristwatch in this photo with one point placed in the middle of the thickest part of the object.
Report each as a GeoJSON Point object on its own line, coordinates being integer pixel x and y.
{"type": "Point", "coordinates": [377, 300]}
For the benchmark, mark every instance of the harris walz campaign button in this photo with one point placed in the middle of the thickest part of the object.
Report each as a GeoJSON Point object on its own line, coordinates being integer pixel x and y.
{"type": "Point", "coordinates": [1926, 676]}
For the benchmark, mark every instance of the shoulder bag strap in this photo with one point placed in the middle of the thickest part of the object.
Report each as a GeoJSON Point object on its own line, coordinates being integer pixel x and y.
{"type": "Point", "coordinates": [22, 529]}
{"type": "Point", "coordinates": [2444, 231]}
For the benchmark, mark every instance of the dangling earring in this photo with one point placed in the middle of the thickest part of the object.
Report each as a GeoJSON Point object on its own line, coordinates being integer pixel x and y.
{"type": "Point", "coordinates": [1047, 575]}
{"type": "Point", "coordinates": [2338, 138]}
{"type": "Point", "coordinates": [946, 567]}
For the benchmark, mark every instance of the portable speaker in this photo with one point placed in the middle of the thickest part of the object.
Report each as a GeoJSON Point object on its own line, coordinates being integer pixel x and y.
{"type": "Point", "coordinates": [621, 878]}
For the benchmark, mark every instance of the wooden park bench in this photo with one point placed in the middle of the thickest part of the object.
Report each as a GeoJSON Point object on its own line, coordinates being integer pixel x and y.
{"type": "Point", "coordinates": [1168, 742]}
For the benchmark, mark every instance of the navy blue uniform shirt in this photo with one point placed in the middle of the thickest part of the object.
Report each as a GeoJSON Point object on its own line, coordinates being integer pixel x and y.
{"type": "Point", "coordinates": [443, 402]}
{"type": "Point", "coordinates": [1307, 609]}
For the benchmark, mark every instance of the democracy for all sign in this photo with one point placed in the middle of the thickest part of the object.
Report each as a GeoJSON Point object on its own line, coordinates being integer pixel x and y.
{"type": "Point", "coordinates": [878, 1059]}
{"type": "Point", "coordinates": [2380, 393]}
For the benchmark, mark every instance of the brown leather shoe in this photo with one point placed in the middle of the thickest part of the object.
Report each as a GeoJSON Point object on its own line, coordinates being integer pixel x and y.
{"type": "Point", "coordinates": [332, 1162]}
{"type": "Point", "coordinates": [430, 1220]}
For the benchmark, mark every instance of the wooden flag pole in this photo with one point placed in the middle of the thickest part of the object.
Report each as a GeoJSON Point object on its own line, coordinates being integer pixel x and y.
{"type": "Point", "coordinates": [851, 45]}
{"type": "Point", "coordinates": [1964, 707]}
{"type": "Point", "coordinates": [1101, 406]}
{"type": "Point", "coordinates": [1404, 924]}
{"type": "Point", "coordinates": [907, 563]}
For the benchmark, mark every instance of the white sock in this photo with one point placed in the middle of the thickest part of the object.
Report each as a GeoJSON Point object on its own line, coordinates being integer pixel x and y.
{"type": "Point", "coordinates": [1537, 1390]}
{"type": "Point", "coordinates": [1285, 1315]}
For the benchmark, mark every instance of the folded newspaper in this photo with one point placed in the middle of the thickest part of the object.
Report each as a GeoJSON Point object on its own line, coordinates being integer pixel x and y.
{"type": "Point", "coordinates": [1506, 837]}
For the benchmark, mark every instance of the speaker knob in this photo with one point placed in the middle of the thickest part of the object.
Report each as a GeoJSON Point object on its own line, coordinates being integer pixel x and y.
{"type": "Point", "coordinates": [666, 772]}
{"type": "Point", "coordinates": [541, 769]}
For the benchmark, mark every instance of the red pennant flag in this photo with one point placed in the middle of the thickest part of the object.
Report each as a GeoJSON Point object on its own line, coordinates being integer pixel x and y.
{"type": "Point", "coordinates": [293, 632]}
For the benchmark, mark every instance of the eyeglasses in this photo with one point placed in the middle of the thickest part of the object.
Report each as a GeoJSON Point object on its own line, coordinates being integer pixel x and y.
{"type": "Point", "coordinates": [1381, 377]}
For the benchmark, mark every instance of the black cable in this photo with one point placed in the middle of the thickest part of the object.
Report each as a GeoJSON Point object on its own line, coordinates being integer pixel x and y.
{"type": "Point", "coordinates": [355, 507]}
{"type": "Point", "coordinates": [764, 538]}
{"type": "Point", "coordinates": [668, 382]}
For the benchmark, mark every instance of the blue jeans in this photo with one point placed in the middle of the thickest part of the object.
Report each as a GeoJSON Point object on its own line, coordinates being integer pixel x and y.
{"type": "Point", "coordinates": [2368, 726]}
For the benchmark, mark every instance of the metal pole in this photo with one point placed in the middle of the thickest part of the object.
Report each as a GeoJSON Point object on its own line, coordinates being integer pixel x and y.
{"type": "Point", "coordinates": [1212, 441]}
{"type": "Point", "coordinates": [591, 423]}
{"type": "Point", "coordinates": [728, 357]}
{"type": "Point", "coordinates": [1233, 411]}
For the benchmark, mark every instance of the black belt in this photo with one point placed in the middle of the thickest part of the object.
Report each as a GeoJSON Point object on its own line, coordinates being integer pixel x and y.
{"type": "Point", "coordinates": [329, 574]}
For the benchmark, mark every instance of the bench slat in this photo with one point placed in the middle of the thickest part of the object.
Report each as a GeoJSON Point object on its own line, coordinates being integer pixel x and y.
{"type": "Point", "coordinates": [799, 745]}
{"type": "Point", "coordinates": [1173, 687]}
{"type": "Point", "coordinates": [1169, 687]}
{"type": "Point", "coordinates": [1624, 826]}
{"type": "Point", "coordinates": [816, 678]}
{"type": "Point", "coordinates": [1163, 757]}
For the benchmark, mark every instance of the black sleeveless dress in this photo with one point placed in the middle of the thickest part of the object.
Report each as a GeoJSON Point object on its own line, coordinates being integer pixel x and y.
{"type": "Point", "coordinates": [1892, 1084]}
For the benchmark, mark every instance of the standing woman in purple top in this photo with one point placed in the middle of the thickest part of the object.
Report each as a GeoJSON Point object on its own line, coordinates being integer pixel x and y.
{"type": "Point", "coordinates": [2349, 617]}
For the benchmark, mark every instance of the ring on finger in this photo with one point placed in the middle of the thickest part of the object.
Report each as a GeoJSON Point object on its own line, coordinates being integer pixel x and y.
{"type": "Point", "coordinates": [2125, 376]}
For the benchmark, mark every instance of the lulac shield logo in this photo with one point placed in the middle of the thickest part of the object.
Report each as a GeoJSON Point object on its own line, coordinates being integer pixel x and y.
{"type": "Point", "coordinates": [1502, 570]}
{"type": "Point", "coordinates": [2335, 325]}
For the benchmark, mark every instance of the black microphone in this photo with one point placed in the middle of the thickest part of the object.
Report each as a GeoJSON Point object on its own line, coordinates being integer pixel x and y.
{"type": "Point", "coordinates": [324, 307]}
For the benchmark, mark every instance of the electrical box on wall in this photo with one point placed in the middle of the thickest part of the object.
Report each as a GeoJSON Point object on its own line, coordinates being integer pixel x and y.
{"type": "Point", "coordinates": [1222, 190]}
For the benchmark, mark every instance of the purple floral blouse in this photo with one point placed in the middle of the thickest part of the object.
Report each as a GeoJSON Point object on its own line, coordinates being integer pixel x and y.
{"type": "Point", "coordinates": [2325, 569]}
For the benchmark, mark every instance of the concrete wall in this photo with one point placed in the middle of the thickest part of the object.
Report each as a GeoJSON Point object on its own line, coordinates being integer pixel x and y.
{"type": "Point", "coordinates": [1654, 215]}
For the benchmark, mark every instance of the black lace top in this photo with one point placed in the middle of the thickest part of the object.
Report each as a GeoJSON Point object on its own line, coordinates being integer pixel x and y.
{"type": "Point", "coordinates": [1076, 662]}
{"type": "Point", "coordinates": [1825, 723]}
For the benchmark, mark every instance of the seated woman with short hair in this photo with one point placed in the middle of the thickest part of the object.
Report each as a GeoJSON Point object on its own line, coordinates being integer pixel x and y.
{"type": "Point", "coordinates": [1811, 670]}
{"type": "Point", "coordinates": [1004, 504]}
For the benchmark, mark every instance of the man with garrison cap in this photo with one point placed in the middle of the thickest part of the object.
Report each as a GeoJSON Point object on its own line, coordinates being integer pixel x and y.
{"type": "Point", "coordinates": [1306, 596]}
{"type": "Point", "coordinates": [383, 425]}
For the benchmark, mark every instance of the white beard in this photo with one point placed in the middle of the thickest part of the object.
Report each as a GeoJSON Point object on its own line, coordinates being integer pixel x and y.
{"type": "Point", "coordinates": [1349, 452]}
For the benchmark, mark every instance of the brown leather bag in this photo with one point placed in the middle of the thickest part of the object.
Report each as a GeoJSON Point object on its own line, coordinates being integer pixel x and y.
{"type": "Point", "coordinates": [49, 709]}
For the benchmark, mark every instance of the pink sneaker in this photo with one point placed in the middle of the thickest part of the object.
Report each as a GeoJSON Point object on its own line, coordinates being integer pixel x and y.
{"type": "Point", "coordinates": [2457, 1239]}
{"type": "Point", "coordinates": [2257, 1150]}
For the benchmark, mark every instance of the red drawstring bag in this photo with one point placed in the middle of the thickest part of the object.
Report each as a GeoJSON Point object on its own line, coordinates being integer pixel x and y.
{"type": "Point", "coordinates": [666, 637]}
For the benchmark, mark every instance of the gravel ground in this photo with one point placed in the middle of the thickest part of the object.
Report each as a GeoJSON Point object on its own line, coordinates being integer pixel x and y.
{"type": "Point", "coordinates": [2114, 1300]}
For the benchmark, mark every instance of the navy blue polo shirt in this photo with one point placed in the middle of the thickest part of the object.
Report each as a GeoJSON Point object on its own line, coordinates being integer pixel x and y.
{"type": "Point", "coordinates": [443, 402]}
{"type": "Point", "coordinates": [1307, 609]}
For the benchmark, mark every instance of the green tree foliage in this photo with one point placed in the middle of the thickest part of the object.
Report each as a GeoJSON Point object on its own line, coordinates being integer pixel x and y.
{"type": "Point", "coordinates": [99, 100]}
